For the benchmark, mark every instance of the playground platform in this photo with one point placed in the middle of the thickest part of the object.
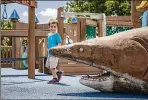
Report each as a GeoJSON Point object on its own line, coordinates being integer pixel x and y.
{"type": "Point", "coordinates": [16, 85]}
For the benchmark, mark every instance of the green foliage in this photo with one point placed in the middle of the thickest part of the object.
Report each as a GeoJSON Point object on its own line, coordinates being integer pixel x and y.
{"type": "Point", "coordinates": [110, 30]}
{"type": "Point", "coordinates": [6, 24]}
{"type": "Point", "coordinates": [109, 7]}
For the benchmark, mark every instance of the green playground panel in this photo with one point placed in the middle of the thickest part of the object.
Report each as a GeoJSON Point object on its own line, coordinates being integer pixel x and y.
{"type": "Point", "coordinates": [110, 30]}
{"type": "Point", "coordinates": [90, 32]}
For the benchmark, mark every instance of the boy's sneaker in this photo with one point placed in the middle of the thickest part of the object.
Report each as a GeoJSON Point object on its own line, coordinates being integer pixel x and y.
{"type": "Point", "coordinates": [59, 74]}
{"type": "Point", "coordinates": [54, 81]}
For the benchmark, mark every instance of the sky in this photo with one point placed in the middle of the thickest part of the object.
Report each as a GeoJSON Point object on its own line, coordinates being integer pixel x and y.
{"type": "Point", "coordinates": [44, 12]}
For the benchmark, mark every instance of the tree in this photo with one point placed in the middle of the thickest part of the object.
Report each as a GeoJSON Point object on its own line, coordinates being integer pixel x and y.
{"type": "Point", "coordinates": [109, 7]}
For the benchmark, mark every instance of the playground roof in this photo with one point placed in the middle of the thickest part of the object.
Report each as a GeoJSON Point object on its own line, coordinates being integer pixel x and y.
{"type": "Point", "coordinates": [36, 19]}
{"type": "Point", "coordinates": [14, 15]}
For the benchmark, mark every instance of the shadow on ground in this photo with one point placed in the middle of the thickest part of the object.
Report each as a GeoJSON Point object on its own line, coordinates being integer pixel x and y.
{"type": "Point", "coordinates": [104, 95]}
{"type": "Point", "coordinates": [35, 80]}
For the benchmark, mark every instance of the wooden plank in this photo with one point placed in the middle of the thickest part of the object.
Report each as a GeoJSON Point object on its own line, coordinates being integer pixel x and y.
{"type": "Point", "coordinates": [21, 26]}
{"type": "Point", "coordinates": [31, 43]}
{"type": "Point", "coordinates": [41, 54]}
{"type": "Point", "coordinates": [117, 23]}
{"type": "Point", "coordinates": [42, 26]}
{"type": "Point", "coordinates": [78, 30]}
{"type": "Point", "coordinates": [83, 29]}
{"type": "Point", "coordinates": [13, 50]}
{"type": "Point", "coordinates": [32, 3]}
{"type": "Point", "coordinates": [118, 18]}
{"type": "Point", "coordinates": [91, 22]}
{"type": "Point", "coordinates": [37, 48]}
{"type": "Point", "coordinates": [99, 25]}
{"type": "Point", "coordinates": [17, 51]}
{"type": "Point", "coordinates": [133, 14]}
{"type": "Point", "coordinates": [6, 65]}
{"type": "Point", "coordinates": [23, 33]}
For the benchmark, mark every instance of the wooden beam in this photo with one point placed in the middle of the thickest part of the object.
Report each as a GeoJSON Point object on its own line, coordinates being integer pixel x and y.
{"type": "Point", "coordinates": [100, 31]}
{"type": "Point", "coordinates": [91, 22]}
{"type": "Point", "coordinates": [83, 29]}
{"type": "Point", "coordinates": [23, 33]}
{"type": "Point", "coordinates": [119, 23]}
{"type": "Point", "coordinates": [13, 50]}
{"type": "Point", "coordinates": [31, 43]}
{"type": "Point", "coordinates": [118, 18]}
{"type": "Point", "coordinates": [60, 23]}
{"type": "Point", "coordinates": [78, 30]}
{"type": "Point", "coordinates": [41, 51]}
{"type": "Point", "coordinates": [32, 3]}
{"type": "Point", "coordinates": [133, 13]}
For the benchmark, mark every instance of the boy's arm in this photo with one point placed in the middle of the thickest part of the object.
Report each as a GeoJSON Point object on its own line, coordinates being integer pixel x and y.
{"type": "Point", "coordinates": [59, 40]}
{"type": "Point", "coordinates": [59, 44]}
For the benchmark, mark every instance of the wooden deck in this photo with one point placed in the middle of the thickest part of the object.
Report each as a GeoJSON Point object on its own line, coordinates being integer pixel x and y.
{"type": "Point", "coordinates": [74, 68]}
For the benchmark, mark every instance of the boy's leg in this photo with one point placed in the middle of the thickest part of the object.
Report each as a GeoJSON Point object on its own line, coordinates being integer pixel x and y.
{"type": "Point", "coordinates": [54, 72]}
{"type": "Point", "coordinates": [53, 69]}
{"type": "Point", "coordinates": [59, 73]}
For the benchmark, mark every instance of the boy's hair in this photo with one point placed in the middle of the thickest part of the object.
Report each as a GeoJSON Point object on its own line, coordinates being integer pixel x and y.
{"type": "Point", "coordinates": [53, 22]}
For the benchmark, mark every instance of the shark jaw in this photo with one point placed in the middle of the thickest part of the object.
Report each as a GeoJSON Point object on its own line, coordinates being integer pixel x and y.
{"type": "Point", "coordinates": [107, 70]}
{"type": "Point", "coordinates": [106, 80]}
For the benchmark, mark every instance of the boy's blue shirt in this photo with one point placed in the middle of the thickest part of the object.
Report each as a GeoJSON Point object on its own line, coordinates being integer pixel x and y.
{"type": "Point", "coordinates": [53, 40]}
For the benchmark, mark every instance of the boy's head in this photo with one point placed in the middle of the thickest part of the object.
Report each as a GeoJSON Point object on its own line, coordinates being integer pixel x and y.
{"type": "Point", "coordinates": [53, 26]}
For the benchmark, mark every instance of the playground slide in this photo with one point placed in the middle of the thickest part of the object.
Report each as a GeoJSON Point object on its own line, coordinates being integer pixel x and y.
{"type": "Point", "coordinates": [143, 4]}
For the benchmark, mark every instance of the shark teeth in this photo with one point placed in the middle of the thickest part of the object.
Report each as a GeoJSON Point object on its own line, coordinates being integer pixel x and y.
{"type": "Point", "coordinates": [104, 79]}
{"type": "Point", "coordinates": [107, 78]}
{"type": "Point", "coordinates": [100, 74]}
{"type": "Point", "coordinates": [104, 72]}
{"type": "Point", "coordinates": [100, 79]}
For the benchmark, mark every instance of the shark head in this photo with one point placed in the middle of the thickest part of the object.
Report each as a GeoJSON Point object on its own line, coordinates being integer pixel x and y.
{"type": "Point", "coordinates": [123, 59]}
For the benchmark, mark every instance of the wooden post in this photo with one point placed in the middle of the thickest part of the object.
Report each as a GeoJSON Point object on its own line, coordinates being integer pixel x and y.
{"type": "Point", "coordinates": [36, 49]}
{"type": "Point", "coordinates": [83, 29]}
{"type": "Point", "coordinates": [31, 43]}
{"type": "Point", "coordinates": [99, 26]}
{"type": "Point", "coordinates": [41, 47]}
{"type": "Point", "coordinates": [17, 51]}
{"type": "Point", "coordinates": [60, 23]}
{"type": "Point", "coordinates": [78, 30]}
{"type": "Point", "coordinates": [133, 10]}
{"type": "Point", "coordinates": [60, 26]}
{"type": "Point", "coordinates": [134, 15]}
{"type": "Point", "coordinates": [13, 51]}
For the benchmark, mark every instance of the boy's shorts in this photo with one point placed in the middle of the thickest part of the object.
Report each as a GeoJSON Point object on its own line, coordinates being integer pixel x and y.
{"type": "Point", "coordinates": [51, 62]}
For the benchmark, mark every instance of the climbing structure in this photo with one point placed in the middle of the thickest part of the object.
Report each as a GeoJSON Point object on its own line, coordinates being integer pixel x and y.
{"type": "Point", "coordinates": [32, 4]}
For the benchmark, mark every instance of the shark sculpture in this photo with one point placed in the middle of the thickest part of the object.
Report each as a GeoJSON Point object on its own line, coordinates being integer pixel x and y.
{"type": "Point", "coordinates": [122, 57]}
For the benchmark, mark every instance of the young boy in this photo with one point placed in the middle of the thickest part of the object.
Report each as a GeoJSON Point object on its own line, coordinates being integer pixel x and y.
{"type": "Point", "coordinates": [54, 39]}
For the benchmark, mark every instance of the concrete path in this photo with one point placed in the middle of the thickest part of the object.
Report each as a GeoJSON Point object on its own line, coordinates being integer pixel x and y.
{"type": "Point", "coordinates": [16, 85]}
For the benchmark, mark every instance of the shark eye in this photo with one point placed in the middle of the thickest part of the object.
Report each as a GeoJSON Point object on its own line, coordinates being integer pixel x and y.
{"type": "Point", "coordinates": [81, 50]}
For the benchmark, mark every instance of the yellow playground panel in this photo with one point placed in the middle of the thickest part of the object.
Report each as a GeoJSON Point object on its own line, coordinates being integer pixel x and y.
{"type": "Point", "coordinates": [144, 3]}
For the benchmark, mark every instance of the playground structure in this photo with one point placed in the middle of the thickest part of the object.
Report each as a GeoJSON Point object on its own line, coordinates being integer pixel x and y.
{"type": "Point", "coordinates": [78, 32]}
